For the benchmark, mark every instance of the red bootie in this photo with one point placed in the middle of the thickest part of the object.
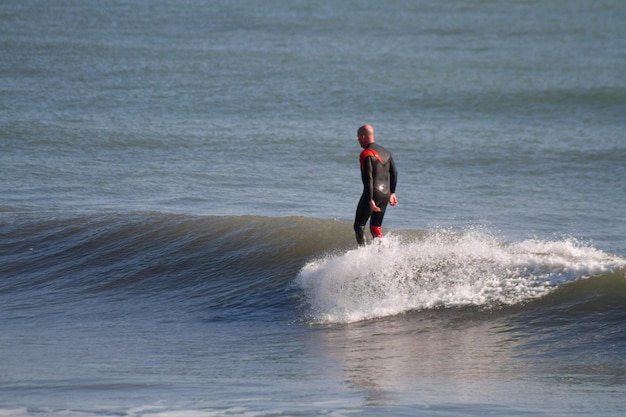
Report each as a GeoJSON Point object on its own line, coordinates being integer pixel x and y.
{"type": "Point", "coordinates": [377, 231]}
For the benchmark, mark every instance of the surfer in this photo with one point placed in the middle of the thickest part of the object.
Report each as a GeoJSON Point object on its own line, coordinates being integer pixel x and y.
{"type": "Point", "coordinates": [379, 175]}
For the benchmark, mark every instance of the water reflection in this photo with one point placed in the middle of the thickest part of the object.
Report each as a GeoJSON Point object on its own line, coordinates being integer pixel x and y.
{"type": "Point", "coordinates": [436, 350]}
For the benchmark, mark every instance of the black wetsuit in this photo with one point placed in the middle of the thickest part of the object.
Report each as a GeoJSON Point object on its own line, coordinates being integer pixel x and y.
{"type": "Point", "coordinates": [379, 175]}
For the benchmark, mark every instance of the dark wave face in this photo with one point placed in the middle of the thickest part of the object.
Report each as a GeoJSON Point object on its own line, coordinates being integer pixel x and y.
{"type": "Point", "coordinates": [227, 267]}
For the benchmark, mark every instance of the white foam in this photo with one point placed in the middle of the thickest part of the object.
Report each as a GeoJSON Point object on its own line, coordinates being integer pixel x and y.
{"type": "Point", "coordinates": [443, 269]}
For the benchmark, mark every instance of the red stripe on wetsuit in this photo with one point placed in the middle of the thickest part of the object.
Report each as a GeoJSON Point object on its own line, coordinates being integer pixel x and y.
{"type": "Point", "coordinates": [367, 153]}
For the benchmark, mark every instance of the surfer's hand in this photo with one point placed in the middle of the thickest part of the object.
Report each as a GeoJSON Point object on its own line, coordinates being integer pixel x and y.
{"type": "Point", "coordinates": [374, 207]}
{"type": "Point", "coordinates": [393, 200]}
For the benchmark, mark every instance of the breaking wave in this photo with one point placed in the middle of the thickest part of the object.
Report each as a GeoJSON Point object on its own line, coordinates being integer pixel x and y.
{"type": "Point", "coordinates": [444, 270]}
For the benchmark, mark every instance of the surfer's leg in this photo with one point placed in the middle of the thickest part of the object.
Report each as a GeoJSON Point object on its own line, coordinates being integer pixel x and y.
{"type": "Point", "coordinates": [359, 232]}
{"type": "Point", "coordinates": [376, 222]}
{"type": "Point", "coordinates": [363, 213]}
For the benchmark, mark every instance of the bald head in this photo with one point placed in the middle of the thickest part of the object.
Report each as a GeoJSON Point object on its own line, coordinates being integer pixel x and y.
{"type": "Point", "coordinates": [365, 135]}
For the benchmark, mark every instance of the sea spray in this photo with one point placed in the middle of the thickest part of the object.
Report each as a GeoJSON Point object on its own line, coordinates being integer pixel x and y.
{"type": "Point", "coordinates": [443, 269]}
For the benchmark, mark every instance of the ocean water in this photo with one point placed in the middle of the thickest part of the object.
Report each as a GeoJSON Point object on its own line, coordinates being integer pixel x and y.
{"type": "Point", "coordinates": [178, 182]}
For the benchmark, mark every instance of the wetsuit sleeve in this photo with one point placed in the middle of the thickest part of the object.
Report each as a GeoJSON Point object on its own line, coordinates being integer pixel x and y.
{"type": "Point", "coordinates": [393, 175]}
{"type": "Point", "coordinates": [367, 175]}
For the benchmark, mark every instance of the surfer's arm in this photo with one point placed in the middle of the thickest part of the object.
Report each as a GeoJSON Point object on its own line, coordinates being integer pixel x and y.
{"type": "Point", "coordinates": [368, 183]}
{"type": "Point", "coordinates": [393, 176]}
{"type": "Point", "coordinates": [393, 180]}
{"type": "Point", "coordinates": [367, 174]}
